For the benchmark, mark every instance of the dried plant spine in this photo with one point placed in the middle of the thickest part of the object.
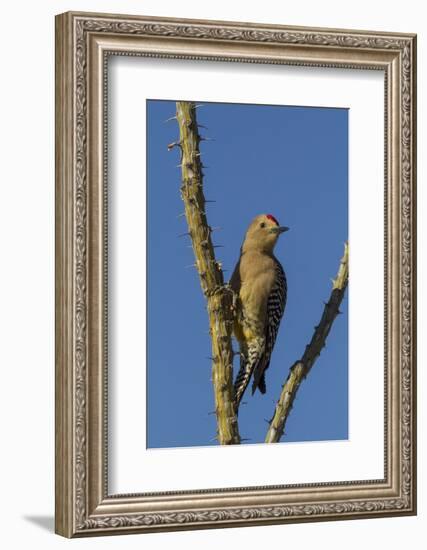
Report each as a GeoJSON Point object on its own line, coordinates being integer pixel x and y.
{"type": "Point", "coordinates": [219, 295]}
{"type": "Point", "coordinates": [302, 367]}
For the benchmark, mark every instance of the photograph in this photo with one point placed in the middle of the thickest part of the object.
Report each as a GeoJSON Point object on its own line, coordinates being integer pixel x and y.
{"type": "Point", "coordinates": [273, 182]}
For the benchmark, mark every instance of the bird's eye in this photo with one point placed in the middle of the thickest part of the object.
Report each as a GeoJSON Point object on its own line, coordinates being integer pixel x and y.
{"type": "Point", "coordinates": [262, 224]}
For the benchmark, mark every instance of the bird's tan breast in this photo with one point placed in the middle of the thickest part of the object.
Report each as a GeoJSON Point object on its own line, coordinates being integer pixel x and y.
{"type": "Point", "coordinates": [256, 275]}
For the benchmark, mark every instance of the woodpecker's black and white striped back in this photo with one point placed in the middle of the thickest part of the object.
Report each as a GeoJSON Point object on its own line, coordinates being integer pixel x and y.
{"type": "Point", "coordinates": [275, 308]}
{"type": "Point", "coordinates": [255, 356]}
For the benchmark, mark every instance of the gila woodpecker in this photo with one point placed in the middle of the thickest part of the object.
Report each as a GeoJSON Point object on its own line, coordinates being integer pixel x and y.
{"type": "Point", "coordinates": [259, 283]}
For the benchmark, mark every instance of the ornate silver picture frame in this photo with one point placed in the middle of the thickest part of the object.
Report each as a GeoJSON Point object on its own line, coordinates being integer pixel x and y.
{"type": "Point", "coordinates": [84, 43]}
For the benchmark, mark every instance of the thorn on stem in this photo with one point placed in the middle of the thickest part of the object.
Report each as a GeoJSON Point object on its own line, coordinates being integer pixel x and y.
{"type": "Point", "coordinates": [174, 144]}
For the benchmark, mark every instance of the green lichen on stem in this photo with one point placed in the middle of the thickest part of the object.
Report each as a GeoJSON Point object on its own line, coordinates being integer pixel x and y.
{"type": "Point", "coordinates": [219, 295]}
{"type": "Point", "coordinates": [302, 367]}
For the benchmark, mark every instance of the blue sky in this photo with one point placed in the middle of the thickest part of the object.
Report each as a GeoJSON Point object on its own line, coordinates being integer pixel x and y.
{"type": "Point", "coordinates": [291, 162]}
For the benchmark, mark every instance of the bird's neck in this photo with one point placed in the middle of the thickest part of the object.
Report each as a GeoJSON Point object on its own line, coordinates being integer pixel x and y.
{"type": "Point", "coordinates": [256, 248]}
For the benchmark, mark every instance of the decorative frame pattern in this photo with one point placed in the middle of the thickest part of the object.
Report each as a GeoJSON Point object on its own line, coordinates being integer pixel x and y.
{"type": "Point", "coordinates": [83, 42]}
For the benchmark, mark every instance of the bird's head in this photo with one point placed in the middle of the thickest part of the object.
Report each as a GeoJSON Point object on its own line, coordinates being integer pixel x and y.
{"type": "Point", "coordinates": [263, 233]}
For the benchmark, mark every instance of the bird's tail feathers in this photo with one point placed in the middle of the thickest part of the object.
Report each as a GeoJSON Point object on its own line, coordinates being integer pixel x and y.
{"type": "Point", "coordinates": [250, 361]}
{"type": "Point", "coordinates": [259, 383]}
{"type": "Point", "coordinates": [242, 379]}
{"type": "Point", "coordinates": [259, 376]}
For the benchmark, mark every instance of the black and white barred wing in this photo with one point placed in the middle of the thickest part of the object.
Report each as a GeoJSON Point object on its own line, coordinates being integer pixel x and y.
{"type": "Point", "coordinates": [275, 309]}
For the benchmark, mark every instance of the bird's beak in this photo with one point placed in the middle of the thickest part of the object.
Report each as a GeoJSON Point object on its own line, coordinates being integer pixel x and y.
{"type": "Point", "coordinates": [279, 230]}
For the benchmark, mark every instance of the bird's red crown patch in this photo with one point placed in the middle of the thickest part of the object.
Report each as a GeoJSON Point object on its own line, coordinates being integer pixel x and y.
{"type": "Point", "coordinates": [272, 218]}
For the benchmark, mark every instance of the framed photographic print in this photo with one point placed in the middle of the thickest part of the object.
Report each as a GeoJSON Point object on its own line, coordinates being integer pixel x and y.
{"type": "Point", "coordinates": [235, 274]}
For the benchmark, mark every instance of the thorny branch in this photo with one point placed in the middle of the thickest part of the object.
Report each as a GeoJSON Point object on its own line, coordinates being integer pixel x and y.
{"type": "Point", "coordinates": [302, 367]}
{"type": "Point", "coordinates": [218, 295]}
